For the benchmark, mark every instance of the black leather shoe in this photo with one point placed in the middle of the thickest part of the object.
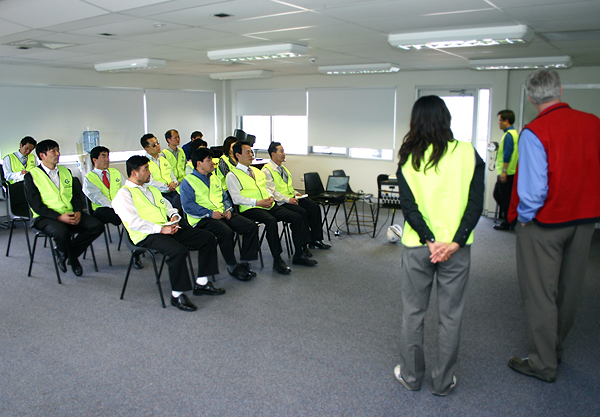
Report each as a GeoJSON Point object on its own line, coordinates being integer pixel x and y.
{"type": "Point", "coordinates": [319, 244]}
{"type": "Point", "coordinates": [241, 273]}
{"type": "Point", "coordinates": [76, 267]}
{"type": "Point", "coordinates": [307, 252]}
{"type": "Point", "coordinates": [282, 268]}
{"type": "Point", "coordinates": [207, 289]}
{"type": "Point", "coordinates": [501, 226]}
{"type": "Point", "coordinates": [303, 260]}
{"type": "Point", "coordinates": [522, 366]}
{"type": "Point", "coordinates": [246, 266]}
{"type": "Point", "coordinates": [137, 262]}
{"type": "Point", "coordinates": [61, 259]}
{"type": "Point", "coordinates": [183, 303]}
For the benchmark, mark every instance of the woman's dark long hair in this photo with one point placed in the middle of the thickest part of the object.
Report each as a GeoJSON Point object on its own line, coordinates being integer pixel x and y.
{"type": "Point", "coordinates": [429, 125]}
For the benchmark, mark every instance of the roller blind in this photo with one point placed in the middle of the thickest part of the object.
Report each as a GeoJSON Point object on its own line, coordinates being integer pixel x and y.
{"type": "Point", "coordinates": [184, 111]}
{"type": "Point", "coordinates": [64, 113]}
{"type": "Point", "coordinates": [271, 103]}
{"type": "Point", "coordinates": [351, 117]}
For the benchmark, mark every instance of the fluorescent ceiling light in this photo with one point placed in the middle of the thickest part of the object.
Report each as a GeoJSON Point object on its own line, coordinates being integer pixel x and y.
{"type": "Point", "coordinates": [282, 50]}
{"type": "Point", "coordinates": [358, 69]}
{"type": "Point", "coordinates": [241, 75]}
{"type": "Point", "coordinates": [132, 65]}
{"type": "Point", "coordinates": [521, 63]}
{"type": "Point", "coordinates": [441, 39]}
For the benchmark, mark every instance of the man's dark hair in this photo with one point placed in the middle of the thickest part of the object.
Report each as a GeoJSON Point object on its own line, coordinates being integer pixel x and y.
{"type": "Point", "coordinates": [198, 143]}
{"type": "Point", "coordinates": [201, 154]}
{"type": "Point", "coordinates": [144, 139]}
{"type": "Point", "coordinates": [196, 134]}
{"type": "Point", "coordinates": [44, 146]}
{"type": "Point", "coordinates": [507, 115]}
{"type": "Point", "coordinates": [28, 140]}
{"type": "Point", "coordinates": [273, 147]}
{"type": "Point", "coordinates": [135, 162]}
{"type": "Point", "coordinates": [237, 148]}
{"type": "Point", "coordinates": [228, 143]}
{"type": "Point", "coordinates": [95, 153]}
{"type": "Point", "coordinates": [168, 134]}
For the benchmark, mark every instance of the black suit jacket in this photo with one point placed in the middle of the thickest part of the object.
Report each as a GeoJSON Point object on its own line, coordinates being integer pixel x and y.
{"type": "Point", "coordinates": [35, 199]}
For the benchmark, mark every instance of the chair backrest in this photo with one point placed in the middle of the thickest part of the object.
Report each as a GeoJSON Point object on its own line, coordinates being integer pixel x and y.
{"type": "Point", "coordinates": [16, 202]}
{"type": "Point", "coordinates": [381, 178]}
{"type": "Point", "coordinates": [312, 184]}
{"type": "Point", "coordinates": [341, 173]}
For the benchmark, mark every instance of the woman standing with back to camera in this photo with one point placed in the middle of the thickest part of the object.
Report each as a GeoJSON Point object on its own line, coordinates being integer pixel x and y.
{"type": "Point", "coordinates": [441, 189]}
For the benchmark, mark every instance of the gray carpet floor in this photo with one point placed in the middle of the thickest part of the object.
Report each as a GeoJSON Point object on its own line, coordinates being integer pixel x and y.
{"type": "Point", "coordinates": [322, 341]}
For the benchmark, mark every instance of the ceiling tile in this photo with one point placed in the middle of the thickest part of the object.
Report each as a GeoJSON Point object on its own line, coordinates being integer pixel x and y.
{"type": "Point", "coordinates": [41, 13]}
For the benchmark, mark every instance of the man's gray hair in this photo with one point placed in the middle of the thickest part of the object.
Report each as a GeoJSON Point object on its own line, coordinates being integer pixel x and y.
{"type": "Point", "coordinates": [543, 86]}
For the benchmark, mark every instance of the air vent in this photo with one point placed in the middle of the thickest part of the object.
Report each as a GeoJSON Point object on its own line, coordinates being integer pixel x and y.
{"type": "Point", "coordinates": [222, 15]}
{"type": "Point", "coordinates": [107, 34]}
{"type": "Point", "coordinates": [30, 43]}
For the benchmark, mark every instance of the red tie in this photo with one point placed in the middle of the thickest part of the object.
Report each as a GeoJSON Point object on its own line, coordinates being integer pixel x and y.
{"type": "Point", "coordinates": [250, 172]}
{"type": "Point", "coordinates": [105, 179]}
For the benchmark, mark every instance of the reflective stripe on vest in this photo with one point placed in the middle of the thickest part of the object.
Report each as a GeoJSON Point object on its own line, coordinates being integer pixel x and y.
{"type": "Point", "coordinates": [252, 188]}
{"type": "Point", "coordinates": [17, 166]}
{"type": "Point", "coordinates": [211, 199]}
{"type": "Point", "coordinates": [161, 173]}
{"type": "Point", "coordinates": [284, 188]}
{"type": "Point", "coordinates": [512, 165]}
{"type": "Point", "coordinates": [155, 213]}
{"type": "Point", "coordinates": [115, 184]}
{"type": "Point", "coordinates": [178, 165]}
{"type": "Point", "coordinates": [52, 197]}
{"type": "Point", "coordinates": [442, 193]}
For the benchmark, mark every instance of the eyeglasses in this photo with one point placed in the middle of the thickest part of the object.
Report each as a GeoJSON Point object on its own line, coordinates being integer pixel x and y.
{"type": "Point", "coordinates": [154, 145]}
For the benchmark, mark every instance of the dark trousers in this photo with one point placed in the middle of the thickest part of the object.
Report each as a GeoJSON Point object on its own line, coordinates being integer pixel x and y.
{"type": "Point", "coordinates": [269, 218]}
{"type": "Point", "coordinates": [87, 231]}
{"type": "Point", "coordinates": [551, 264]}
{"type": "Point", "coordinates": [107, 215]}
{"type": "Point", "coordinates": [311, 213]}
{"type": "Point", "coordinates": [224, 231]}
{"type": "Point", "coordinates": [502, 193]}
{"type": "Point", "coordinates": [174, 247]}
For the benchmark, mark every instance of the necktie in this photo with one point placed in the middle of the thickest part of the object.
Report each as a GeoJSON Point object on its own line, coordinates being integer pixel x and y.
{"type": "Point", "coordinates": [105, 179]}
{"type": "Point", "coordinates": [284, 174]}
{"type": "Point", "coordinates": [251, 173]}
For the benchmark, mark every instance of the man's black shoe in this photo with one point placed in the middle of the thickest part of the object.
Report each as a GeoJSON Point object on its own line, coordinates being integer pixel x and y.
{"type": "Point", "coordinates": [502, 226]}
{"type": "Point", "coordinates": [183, 303]}
{"type": "Point", "coordinates": [241, 273]}
{"type": "Point", "coordinates": [207, 289]}
{"type": "Point", "coordinates": [246, 266]}
{"type": "Point", "coordinates": [76, 267]}
{"type": "Point", "coordinates": [522, 366]}
{"type": "Point", "coordinates": [319, 244]}
{"type": "Point", "coordinates": [303, 260]}
{"type": "Point", "coordinates": [281, 267]}
{"type": "Point", "coordinates": [137, 262]}
{"type": "Point", "coordinates": [307, 252]}
{"type": "Point", "coordinates": [61, 259]}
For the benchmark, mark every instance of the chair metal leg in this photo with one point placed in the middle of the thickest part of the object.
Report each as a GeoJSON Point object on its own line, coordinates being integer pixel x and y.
{"type": "Point", "coordinates": [55, 262]}
{"type": "Point", "coordinates": [160, 291]}
{"type": "Point", "coordinates": [121, 231]}
{"type": "Point", "coordinates": [12, 226]}
{"type": "Point", "coordinates": [106, 238]}
{"type": "Point", "coordinates": [107, 230]}
{"type": "Point", "coordinates": [94, 257]}
{"type": "Point", "coordinates": [32, 254]}
{"type": "Point", "coordinates": [127, 275]}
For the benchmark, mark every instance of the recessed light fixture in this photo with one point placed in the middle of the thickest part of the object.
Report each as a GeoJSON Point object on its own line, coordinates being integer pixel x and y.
{"type": "Point", "coordinates": [555, 62]}
{"type": "Point", "coordinates": [222, 15]}
{"type": "Point", "coordinates": [238, 75]}
{"type": "Point", "coordinates": [458, 38]}
{"type": "Point", "coordinates": [131, 65]}
{"type": "Point", "coordinates": [282, 50]}
{"type": "Point", "coordinates": [358, 69]}
{"type": "Point", "coordinates": [159, 25]}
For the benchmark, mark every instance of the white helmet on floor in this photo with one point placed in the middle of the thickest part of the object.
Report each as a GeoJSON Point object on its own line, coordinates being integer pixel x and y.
{"type": "Point", "coordinates": [394, 233]}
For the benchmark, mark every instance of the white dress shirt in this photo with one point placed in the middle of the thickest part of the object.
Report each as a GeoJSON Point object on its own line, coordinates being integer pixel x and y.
{"type": "Point", "coordinates": [234, 187]}
{"type": "Point", "coordinates": [93, 192]}
{"type": "Point", "coordinates": [53, 174]}
{"type": "Point", "coordinates": [123, 205]}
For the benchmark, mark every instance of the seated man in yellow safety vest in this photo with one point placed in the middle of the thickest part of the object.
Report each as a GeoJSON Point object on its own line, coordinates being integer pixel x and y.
{"type": "Point", "coordinates": [248, 189]}
{"type": "Point", "coordinates": [57, 204]}
{"type": "Point", "coordinates": [19, 163]}
{"type": "Point", "coordinates": [162, 175]}
{"type": "Point", "coordinates": [100, 185]}
{"type": "Point", "coordinates": [153, 223]}
{"type": "Point", "coordinates": [174, 154]}
{"type": "Point", "coordinates": [279, 184]}
{"type": "Point", "coordinates": [208, 207]}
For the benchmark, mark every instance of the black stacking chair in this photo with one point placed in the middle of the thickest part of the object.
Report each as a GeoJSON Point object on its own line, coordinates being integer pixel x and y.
{"type": "Point", "coordinates": [17, 211]}
{"type": "Point", "coordinates": [313, 186]}
{"type": "Point", "coordinates": [107, 236]}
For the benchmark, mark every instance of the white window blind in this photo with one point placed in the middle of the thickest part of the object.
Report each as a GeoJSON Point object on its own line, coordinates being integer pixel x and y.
{"type": "Point", "coordinates": [64, 113]}
{"type": "Point", "coordinates": [184, 111]}
{"type": "Point", "coordinates": [351, 117]}
{"type": "Point", "coordinates": [271, 103]}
